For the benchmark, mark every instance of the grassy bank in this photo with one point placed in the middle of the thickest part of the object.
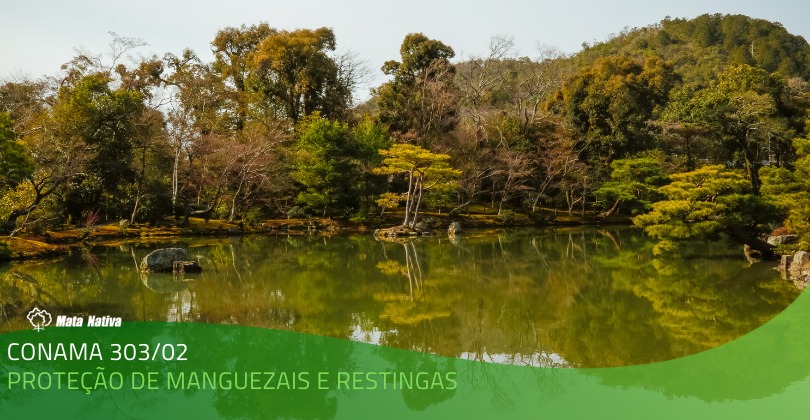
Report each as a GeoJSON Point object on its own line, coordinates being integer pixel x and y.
{"type": "Point", "coordinates": [20, 248]}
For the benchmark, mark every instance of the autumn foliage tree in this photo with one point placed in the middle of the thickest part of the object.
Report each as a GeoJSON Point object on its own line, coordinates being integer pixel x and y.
{"type": "Point", "coordinates": [294, 73]}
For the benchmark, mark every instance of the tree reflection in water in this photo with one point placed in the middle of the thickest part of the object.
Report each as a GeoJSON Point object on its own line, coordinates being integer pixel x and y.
{"type": "Point", "coordinates": [546, 297]}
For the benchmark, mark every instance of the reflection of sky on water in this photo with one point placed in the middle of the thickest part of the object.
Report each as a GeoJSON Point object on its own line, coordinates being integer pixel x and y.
{"type": "Point", "coordinates": [541, 359]}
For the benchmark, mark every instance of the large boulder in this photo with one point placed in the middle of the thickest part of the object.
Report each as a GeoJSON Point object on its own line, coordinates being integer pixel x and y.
{"type": "Point", "coordinates": [781, 239]}
{"type": "Point", "coordinates": [801, 282]}
{"type": "Point", "coordinates": [800, 264]}
{"type": "Point", "coordinates": [162, 260]}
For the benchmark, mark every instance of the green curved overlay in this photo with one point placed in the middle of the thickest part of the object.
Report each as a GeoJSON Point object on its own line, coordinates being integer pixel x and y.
{"type": "Point", "coordinates": [765, 374]}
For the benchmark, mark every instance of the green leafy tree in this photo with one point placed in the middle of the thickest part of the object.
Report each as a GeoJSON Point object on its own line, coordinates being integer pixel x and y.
{"type": "Point", "coordinates": [702, 204]}
{"type": "Point", "coordinates": [234, 49]}
{"type": "Point", "coordinates": [15, 165]}
{"type": "Point", "coordinates": [388, 200]}
{"type": "Point", "coordinates": [424, 169]}
{"type": "Point", "coordinates": [324, 165]}
{"type": "Point", "coordinates": [611, 102]}
{"type": "Point", "coordinates": [106, 120]}
{"type": "Point", "coordinates": [370, 137]}
{"type": "Point", "coordinates": [745, 112]}
{"type": "Point", "coordinates": [633, 182]}
{"type": "Point", "coordinates": [419, 103]}
{"type": "Point", "coordinates": [56, 160]}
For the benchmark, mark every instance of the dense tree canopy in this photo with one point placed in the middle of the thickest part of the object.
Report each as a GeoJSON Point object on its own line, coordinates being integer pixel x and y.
{"type": "Point", "coordinates": [701, 204]}
{"type": "Point", "coordinates": [789, 191]}
{"type": "Point", "coordinates": [15, 164]}
{"type": "Point", "coordinates": [294, 73]}
{"type": "Point", "coordinates": [703, 46]}
{"type": "Point", "coordinates": [633, 183]}
{"type": "Point", "coordinates": [324, 165]}
{"type": "Point", "coordinates": [687, 124]}
{"type": "Point", "coordinates": [611, 103]}
{"type": "Point", "coordinates": [744, 111]}
{"type": "Point", "coordinates": [419, 102]}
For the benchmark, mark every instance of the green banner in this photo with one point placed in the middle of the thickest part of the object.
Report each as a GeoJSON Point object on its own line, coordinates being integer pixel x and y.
{"type": "Point", "coordinates": [158, 370]}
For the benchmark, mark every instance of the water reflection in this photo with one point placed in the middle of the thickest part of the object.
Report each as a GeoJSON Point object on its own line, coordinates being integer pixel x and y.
{"type": "Point", "coordinates": [580, 297]}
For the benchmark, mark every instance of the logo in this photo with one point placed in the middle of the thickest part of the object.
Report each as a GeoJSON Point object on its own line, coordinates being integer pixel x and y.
{"type": "Point", "coordinates": [39, 318]}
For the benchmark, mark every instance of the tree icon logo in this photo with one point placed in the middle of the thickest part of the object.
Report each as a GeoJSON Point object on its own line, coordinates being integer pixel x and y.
{"type": "Point", "coordinates": [39, 318]}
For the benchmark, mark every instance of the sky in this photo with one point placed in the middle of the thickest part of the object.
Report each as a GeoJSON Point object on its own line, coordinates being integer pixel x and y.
{"type": "Point", "coordinates": [37, 37]}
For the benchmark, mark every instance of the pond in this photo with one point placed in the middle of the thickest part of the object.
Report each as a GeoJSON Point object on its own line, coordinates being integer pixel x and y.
{"type": "Point", "coordinates": [568, 297]}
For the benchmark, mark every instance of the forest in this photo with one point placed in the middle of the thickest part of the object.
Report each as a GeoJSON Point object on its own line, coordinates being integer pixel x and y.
{"type": "Point", "coordinates": [694, 128]}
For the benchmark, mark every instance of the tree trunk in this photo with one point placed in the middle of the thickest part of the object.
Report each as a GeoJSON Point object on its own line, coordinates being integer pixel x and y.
{"type": "Point", "coordinates": [569, 200]}
{"type": "Point", "coordinates": [461, 206]}
{"type": "Point", "coordinates": [234, 202]}
{"type": "Point", "coordinates": [419, 182]}
{"type": "Point", "coordinates": [17, 213]}
{"type": "Point", "coordinates": [534, 203]}
{"type": "Point", "coordinates": [175, 177]}
{"type": "Point", "coordinates": [584, 201]}
{"type": "Point", "coordinates": [612, 209]}
{"type": "Point", "coordinates": [139, 194]}
{"type": "Point", "coordinates": [135, 207]}
{"type": "Point", "coordinates": [752, 167]}
{"type": "Point", "coordinates": [408, 198]}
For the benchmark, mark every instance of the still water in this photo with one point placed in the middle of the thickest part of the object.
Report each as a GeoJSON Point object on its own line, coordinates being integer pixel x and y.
{"type": "Point", "coordinates": [578, 297]}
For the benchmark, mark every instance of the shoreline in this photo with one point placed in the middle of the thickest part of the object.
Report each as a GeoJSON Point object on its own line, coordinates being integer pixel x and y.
{"type": "Point", "coordinates": [54, 243]}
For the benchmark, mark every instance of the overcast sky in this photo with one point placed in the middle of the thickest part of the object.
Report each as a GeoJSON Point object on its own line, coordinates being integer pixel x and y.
{"type": "Point", "coordinates": [36, 37]}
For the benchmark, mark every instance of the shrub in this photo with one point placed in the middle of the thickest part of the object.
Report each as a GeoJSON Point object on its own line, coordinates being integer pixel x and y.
{"type": "Point", "coordinates": [5, 251]}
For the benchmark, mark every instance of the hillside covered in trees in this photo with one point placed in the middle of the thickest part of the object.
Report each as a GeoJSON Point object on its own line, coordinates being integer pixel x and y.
{"type": "Point", "coordinates": [695, 127]}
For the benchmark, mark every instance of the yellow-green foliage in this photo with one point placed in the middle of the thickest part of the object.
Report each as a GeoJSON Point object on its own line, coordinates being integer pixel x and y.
{"type": "Point", "coordinates": [10, 200]}
{"type": "Point", "coordinates": [699, 204]}
{"type": "Point", "coordinates": [423, 169]}
{"type": "Point", "coordinates": [389, 200]}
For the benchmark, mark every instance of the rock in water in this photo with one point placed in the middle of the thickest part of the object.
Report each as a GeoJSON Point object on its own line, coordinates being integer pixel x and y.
{"type": "Point", "coordinates": [163, 259]}
{"type": "Point", "coordinates": [187, 267]}
{"type": "Point", "coordinates": [800, 264]}
{"type": "Point", "coordinates": [784, 262]}
{"type": "Point", "coordinates": [454, 228]}
{"type": "Point", "coordinates": [752, 255]}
